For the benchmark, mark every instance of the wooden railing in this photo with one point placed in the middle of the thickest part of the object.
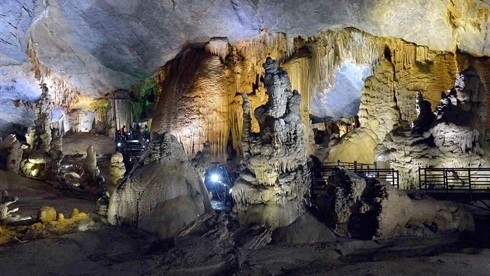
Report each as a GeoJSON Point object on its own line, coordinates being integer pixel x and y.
{"type": "Point", "coordinates": [454, 179]}
{"type": "Point", "coordinates": [369, 170]}
{"type": "Point", "coordinates": [352, 166]}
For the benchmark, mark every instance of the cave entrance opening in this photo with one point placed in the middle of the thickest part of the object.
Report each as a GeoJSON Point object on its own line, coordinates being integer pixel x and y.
{"type": "Point", "coordinates": [335, 108]}
{"type": "Point", "coordinates": [341, 98]}
{"type": "Point", "coordinates": [219, 180]}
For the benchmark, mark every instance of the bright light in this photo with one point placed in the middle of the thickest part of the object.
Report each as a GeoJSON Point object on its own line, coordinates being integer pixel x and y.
{"type": "Point", "coordinates": [343, 97]}
{"type": "Point", "coordinates": [215, 177]}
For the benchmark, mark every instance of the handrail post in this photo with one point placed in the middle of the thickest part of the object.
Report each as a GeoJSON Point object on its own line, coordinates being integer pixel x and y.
{"type": "Point", "coordinates": [375, 165]}
{"type": "Point", "coordinates": [393, 178]}
{"type": "Point", "coordinates": [355, 166]}
{"type": "Point", "coordinates": [446, 181]}
{"type": "Point", "coordinates": [420, 179]}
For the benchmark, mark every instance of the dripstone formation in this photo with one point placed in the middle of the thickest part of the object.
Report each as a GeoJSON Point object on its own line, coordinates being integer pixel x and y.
{"type": "Point", "coordinates": [451, 137]}
{"type": "Point", "coordinates": [42, 159]}
{"type": "Point", "coordinates": [273, 177]}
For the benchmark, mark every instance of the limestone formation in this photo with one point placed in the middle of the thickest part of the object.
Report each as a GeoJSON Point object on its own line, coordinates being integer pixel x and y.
{"type": "Point", "coordinates": [117, 171]}
{"type": "Point", "coordinates": [15, 157]}
{"type": "Point", "coordinates": [7, 215]}
{"type": "Point", "coordinates": [461, 116]}
{"type": "Point", "coordinates": [5, 202]}
{"type": "Point", "coordinates": [400, 72]}
{"type": "Point", "coordinates": [46, 214]}
{"type": "Point", "coordinates": [42, 134]}
{"type": "Point", "coordinates": [203, 159]}
{"type": "Point", "coordinates": [35, 165]}
{"type": "Point", "coordinates": [274, 176]}
{"type": "Point", "coordinates": [162, 193]}
{"type": "Point", "coordinates": [90, 163]}
{"type": "Point", "coordinates": [366, 208]}
{"type": "Point", "coordinates": [38, 160]}
{"type": "Point", "coordinates": [451, 137]}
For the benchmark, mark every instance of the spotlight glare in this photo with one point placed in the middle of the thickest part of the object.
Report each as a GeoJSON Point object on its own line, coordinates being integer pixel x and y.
{"type": "Point", "coordinates": [215, 177]}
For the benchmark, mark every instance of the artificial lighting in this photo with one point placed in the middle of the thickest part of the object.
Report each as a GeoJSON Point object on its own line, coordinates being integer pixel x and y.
{"type": "Point", "coordinates": [215, 177]}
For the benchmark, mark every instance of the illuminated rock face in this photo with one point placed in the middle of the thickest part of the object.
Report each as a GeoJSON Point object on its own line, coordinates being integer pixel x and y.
{"type": "Point", "coordinates": [194, 103]}
{"type": "Point", "coordinates": [274, 176]}
{"type": "Point", "coordinates": [163, 193]}
{"type": "Point", "coordinates": [454, 138]}
{"type": "Point", "coordinates": [388, 99]}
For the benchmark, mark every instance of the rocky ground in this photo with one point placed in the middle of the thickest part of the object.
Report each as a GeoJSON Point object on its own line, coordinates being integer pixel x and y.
{"type": "Point", "coordinates": [217, 246]}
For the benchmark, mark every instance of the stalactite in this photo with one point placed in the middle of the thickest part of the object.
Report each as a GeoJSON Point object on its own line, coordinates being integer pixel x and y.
{"type": "Point", "coordinates": [61, 94]}
{"type": "Point", "coordinates": [278, 45]}
{"type": "Point", "coordinates": [218, 46]}
{"type": "Point", "coordinates": [331, 48]}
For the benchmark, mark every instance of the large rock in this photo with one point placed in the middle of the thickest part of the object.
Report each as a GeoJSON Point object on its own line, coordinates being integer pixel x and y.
{"type": "Point", "coordinates": [366, 208]}
{"type": "Point", "coordinates": [163, 193]}
{"type": "Point", "coordinates": [305, 229]}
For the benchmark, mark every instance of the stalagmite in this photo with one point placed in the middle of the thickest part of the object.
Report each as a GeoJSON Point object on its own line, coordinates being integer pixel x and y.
{"type": "Point", "coordinates": [273, 176]}
{"type": "Point", "coordinates": [117, 171]}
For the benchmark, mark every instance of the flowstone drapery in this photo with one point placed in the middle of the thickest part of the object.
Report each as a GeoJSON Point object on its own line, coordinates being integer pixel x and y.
{"type": "Point", "coordinates": [273, 176]}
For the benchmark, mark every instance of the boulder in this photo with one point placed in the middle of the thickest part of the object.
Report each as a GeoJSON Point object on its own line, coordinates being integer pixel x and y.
{"type": "Point", "coordinates": [366, 208]}
{"type": "Point", "coordinates": [163, 193]}
{"type": "Point", "coordinates": [305, 229]}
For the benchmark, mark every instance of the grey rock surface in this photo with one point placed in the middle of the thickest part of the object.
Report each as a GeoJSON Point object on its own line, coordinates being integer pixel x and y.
{"type": "Point", "coordinates": [162, 194]}
{"type": "Point", "coordinates": [96, 45]}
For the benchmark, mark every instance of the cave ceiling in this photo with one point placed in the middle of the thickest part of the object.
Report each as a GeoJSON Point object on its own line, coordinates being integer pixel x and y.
{"type": "Point", "coordinates": [97, 46]}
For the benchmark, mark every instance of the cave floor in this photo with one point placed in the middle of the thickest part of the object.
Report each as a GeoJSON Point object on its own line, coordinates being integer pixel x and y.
{"type": "Point", "coordinates": [34, 194]}
{"type": "Point", "coordinates": [78, 143]}
{"type": "Point", "coordinates": [121, 251]}
{"type": "Point", "coordinates": [107, 250]}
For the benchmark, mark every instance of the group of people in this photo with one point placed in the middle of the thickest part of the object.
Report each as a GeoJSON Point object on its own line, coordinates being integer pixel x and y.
{"type": "Point", "coordinates": [135, 134]}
